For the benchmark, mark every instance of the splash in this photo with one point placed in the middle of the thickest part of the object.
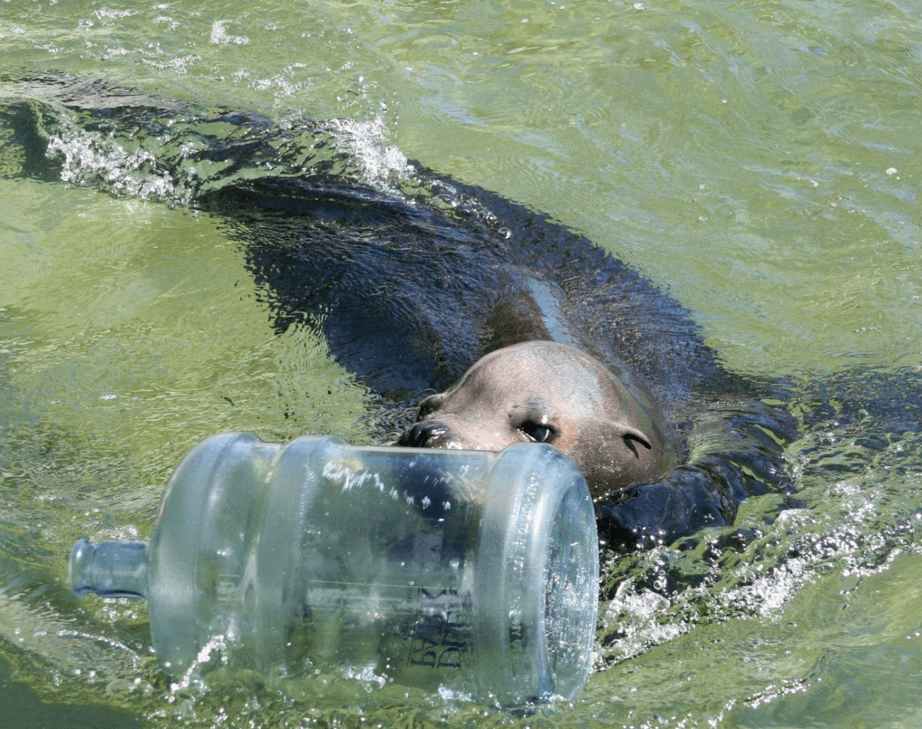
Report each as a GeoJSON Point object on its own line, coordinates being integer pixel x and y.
{"type": "Point", "coordinates": [134, 146]}
{"type": "Point", "coordinates": [381, 165]}
{"type": "Point", "coordinates": [94, 159]}
{"type": "Point", "coordinates": [857, 490]}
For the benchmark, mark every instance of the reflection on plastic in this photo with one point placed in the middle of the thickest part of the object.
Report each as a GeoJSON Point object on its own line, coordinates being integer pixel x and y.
{"type": "Point", "coordinates": [468, 572]}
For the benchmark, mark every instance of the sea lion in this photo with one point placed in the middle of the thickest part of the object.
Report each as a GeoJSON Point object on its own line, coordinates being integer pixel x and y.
{"type": "Point", "coordinates": [412, 282]}
{"type": "Point", "coordinates": [552, 393]}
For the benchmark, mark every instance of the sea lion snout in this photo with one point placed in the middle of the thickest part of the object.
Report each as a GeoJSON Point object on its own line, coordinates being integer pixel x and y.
{"type": "Point", "coordinates": [425, 434]}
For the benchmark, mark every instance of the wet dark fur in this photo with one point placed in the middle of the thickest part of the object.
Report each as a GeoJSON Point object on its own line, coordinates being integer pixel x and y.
{"type": "Point", "coordinates": [410, 290]}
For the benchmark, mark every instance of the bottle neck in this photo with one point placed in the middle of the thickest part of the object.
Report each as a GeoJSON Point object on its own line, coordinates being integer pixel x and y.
{"type": "Point", "coordinates": [111, 569]}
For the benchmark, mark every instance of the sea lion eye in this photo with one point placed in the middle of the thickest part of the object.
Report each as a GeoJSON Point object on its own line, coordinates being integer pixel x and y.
{"type": "Point", "coordinates": [537, 432]}
{"type": "Point", "coordinates": [429, 406]}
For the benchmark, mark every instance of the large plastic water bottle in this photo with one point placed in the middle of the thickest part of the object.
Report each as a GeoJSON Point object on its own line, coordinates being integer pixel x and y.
{"type": "Point", "coordinates": [469, 571]}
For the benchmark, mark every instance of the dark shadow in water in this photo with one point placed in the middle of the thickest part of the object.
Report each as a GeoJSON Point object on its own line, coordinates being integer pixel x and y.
{"type": "Point", "coordinates": [22, 707]}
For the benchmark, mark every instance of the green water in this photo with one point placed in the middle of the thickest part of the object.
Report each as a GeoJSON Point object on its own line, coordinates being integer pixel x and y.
{"type": "Point", "coordinates": [761, 160]}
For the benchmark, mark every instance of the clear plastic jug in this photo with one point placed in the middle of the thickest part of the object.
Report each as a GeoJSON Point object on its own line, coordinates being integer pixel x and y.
{"type": "Point", "coordinates": [469, 571]}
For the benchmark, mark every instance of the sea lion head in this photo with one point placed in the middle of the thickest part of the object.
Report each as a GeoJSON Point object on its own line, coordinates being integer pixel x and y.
{"type": "Point", "coordinates": [547, 392]}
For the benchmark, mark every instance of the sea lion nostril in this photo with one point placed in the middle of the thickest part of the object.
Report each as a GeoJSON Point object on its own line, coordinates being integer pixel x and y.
{"type": "Point", "coordinates": [423, 434]}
